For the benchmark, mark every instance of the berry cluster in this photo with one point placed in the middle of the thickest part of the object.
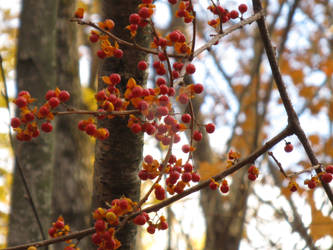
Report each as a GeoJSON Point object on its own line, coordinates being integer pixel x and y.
{"type": "Point", "coordinates": [325, 177]}
{"type": "Point", "coordinates": [178, 175]}
{"type": "Point", "coordinates": [223, 186]}
{"type": "Point", "coordinates": [140, 19]}
{"type": "Point", "coordinates": [26, 125]}
{"type": "Point", "coordinates": [59, 228]}
{"type": "Point", "coordinates": [224, 15]}
{"type": "Point", "coordinates": [107, 219]}
{"type": "Point", "coordinates": [143, 218]}
{"type": "Point", "coordinates": [253, 173]}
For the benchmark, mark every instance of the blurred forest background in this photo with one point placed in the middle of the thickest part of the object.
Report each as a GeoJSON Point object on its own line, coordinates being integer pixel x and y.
{"type": "Point", "coordinates": [240, 98]}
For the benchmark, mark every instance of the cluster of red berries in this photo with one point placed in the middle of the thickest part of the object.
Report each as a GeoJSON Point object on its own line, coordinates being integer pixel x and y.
{"type": "Point", "coordinates": [91, 129]}
{"type": "Point", "coordinates": [178, 175]}
{"type": "Point", "coordinates": [107, 219]}
{"type": "Point", "coordinates": [59, 228]}
{"type": "Point", "coordinates": [143, 218]}
{"type": "Point", "coordinates": [325, 177]}
{"type": "Point", "coordinates": [253, 173]}
{"type": "Point", "coordinates": [224, 15]}
{"type": "Point", "coordinates": [184, 11]}
{"type": "Point", "coordinates": [26, 126]}
{"type": "Point", "coordinates": [223, 186]}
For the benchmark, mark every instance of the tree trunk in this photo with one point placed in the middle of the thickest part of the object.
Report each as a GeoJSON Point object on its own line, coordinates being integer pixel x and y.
{"type": "Point", "coordinates": [35, 73]}
{"type": "Point", "coordinates": [118, 158]}
{"type": "Point", "coordinates": [72, 186]}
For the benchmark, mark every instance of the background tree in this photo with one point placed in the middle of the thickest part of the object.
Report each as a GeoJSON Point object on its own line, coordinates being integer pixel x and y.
{"type": "Point", "coordinates": [36, 72]}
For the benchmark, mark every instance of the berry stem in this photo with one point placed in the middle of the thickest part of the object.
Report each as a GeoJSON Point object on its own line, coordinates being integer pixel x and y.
{"type": "Point", "coordinates": [278, 163]}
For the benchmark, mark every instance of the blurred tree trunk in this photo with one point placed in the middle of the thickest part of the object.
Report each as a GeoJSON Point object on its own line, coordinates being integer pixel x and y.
{"type": "Point", "coordinates": [72, 185]}
{"type": "Point", "coordinates": [35, 73]}
{"type": "Point", "coordinates": [118, 158]}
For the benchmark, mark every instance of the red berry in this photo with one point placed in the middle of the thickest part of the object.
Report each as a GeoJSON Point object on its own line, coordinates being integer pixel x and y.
{"type": "Point", "coordinates": [134, 18]}
{"type": "Point", "coordinates": [82, 125]}
{"type": "Point", "coordinates": [49, 94]}
{"type": "Point", "coordinates": [162, 42]}
{"type": "Point", "coordinates": [224, 188]}
{"type": "Point", "coordinates": [47, 127]}
{"type": "Point", "coordinates": [136, 128]}
{"type": "Point", "coordinates": [99, 225]}
{"type": "Point", "coordinates": [96, 238]}
{"type": "Point", "coordinates": [59, 224]}
{"type": "Point", "coordinates": [24, 93]}
{"type": "Point", "coordinates": [288, 147]}
{"type": "Point", "coordinates": [195, 177]}
{"type": "Point", "coordinates": [329, 169]}
{"type": "Point", "coordinates": [198, 88]}
{"type": "Point", "coordinates": [140, 220]}
{"type": "Point", "coordinates": [160, 193]}
{"type": "Point", "coordinates": [118, 53]}
{"type": "Point", "coordinates": [143, 175]}
{"type": "Point", "coordinates": [174, 176]}
{"type": "Point", "coordinates": [186, 118]}
{"type": "Point", "coordinates": [163, 225]}
{"type": "Point", "coordinates": [197, 135]}
{"type": "Point", "coordinates": [311, 184]}
{"type": "Point", "coordinates": [234, 14]}
{"type": "Point", "coordinates": [64, 96]}
{"type": "Point", "coordinates": [52, 231]}
{"type": "Point", "coordinates": [188, 167]}
{"type": "Point", "coordinates": [210, 128]}
{"type": "Point", "coordinates": [137, 91]}
{"type": "Point", "coordinates": [162, 56]}
{"type": "Point", "coordinates": [151, 229]}
{"type": "Point", "coordinates": [91, 129]}
{"type": "Point", "coordinates": [174, 36]}
{"type": "Point", "coordinates": [160, 81]}
{"type": "Point", "coordinates": [29, 116]}
{"type": "Point", "coordinates": [186, 177]}
{"type": "Point", "coordinates": [326, 177]}
{"type": "Point", "coordinates": [21, 102]}
{"type": "Point", "coordinates": [142, 65]}
{"type": "Point", "coordinates": [213, 185]}
{"type": "Point", "coordinates": [183, 98]}
{"type": "Point", "coordinates": [101, 54]}
{"type": "Point", "coordinates": [186, 148]}
{"type": "Point", "coordinates": [162, 111]}
{"type": "Point", "coordinates": [144, 12]}
{"type": "Point", "coordinates": [115, 78]}
{"type": "Point", "coordinates": [242, 8]}
{"type": "Point", "coordinates": [54, 102]}
{"type": "Point", "coordinates": [93, 38]}
{"type": "Point", "coordinates": [123, 204]}
{"type": "Point", "coordinates": [161, 71]}
{"type": "Point", "coordinates": [15, 122]}
{"type": "Point", "coordinates": [190, 68]}
{"type": "Point", "coordinates": [252, 177]}
{"type": "Point", "coordinates": [164, 89]}
{"type": "Point", "coordinates": [175, 74]}
{"type": "Point", "coordinates": [163, 100]}
{"type": "Point", "coordinates": [171, 91]}
{"type": "Point", "coordinates": [149, 159]}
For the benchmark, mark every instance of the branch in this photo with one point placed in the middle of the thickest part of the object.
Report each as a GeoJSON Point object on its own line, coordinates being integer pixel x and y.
{"type": "Point", "coordinates": [293, 120]}
{"type": "Point", "coordinates": [154, 208]}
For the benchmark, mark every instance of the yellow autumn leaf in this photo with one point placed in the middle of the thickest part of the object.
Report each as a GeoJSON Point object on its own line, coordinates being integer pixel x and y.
{"type": "Point", "coordinates": [314, 139]}
{"type": "Point", "coordinates": [206, 170]}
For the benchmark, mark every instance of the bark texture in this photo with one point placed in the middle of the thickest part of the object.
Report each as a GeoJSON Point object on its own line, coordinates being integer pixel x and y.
{"type": "Point", "coordinates": [118, 158]}
{"type": "Point", "coordinates": [72, 187]}
{"type": "Point", "coordinates": [35, 73]}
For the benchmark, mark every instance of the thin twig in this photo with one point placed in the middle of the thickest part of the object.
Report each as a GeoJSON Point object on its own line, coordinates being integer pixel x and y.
{"type": "Point", "coordinates": [278, 163]}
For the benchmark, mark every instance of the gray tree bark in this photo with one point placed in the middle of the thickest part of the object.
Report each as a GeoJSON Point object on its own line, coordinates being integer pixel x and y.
{"type": "Point", "coordinates": [72, 188]}
{"type": "Point", "coordinates": [35, 73]}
